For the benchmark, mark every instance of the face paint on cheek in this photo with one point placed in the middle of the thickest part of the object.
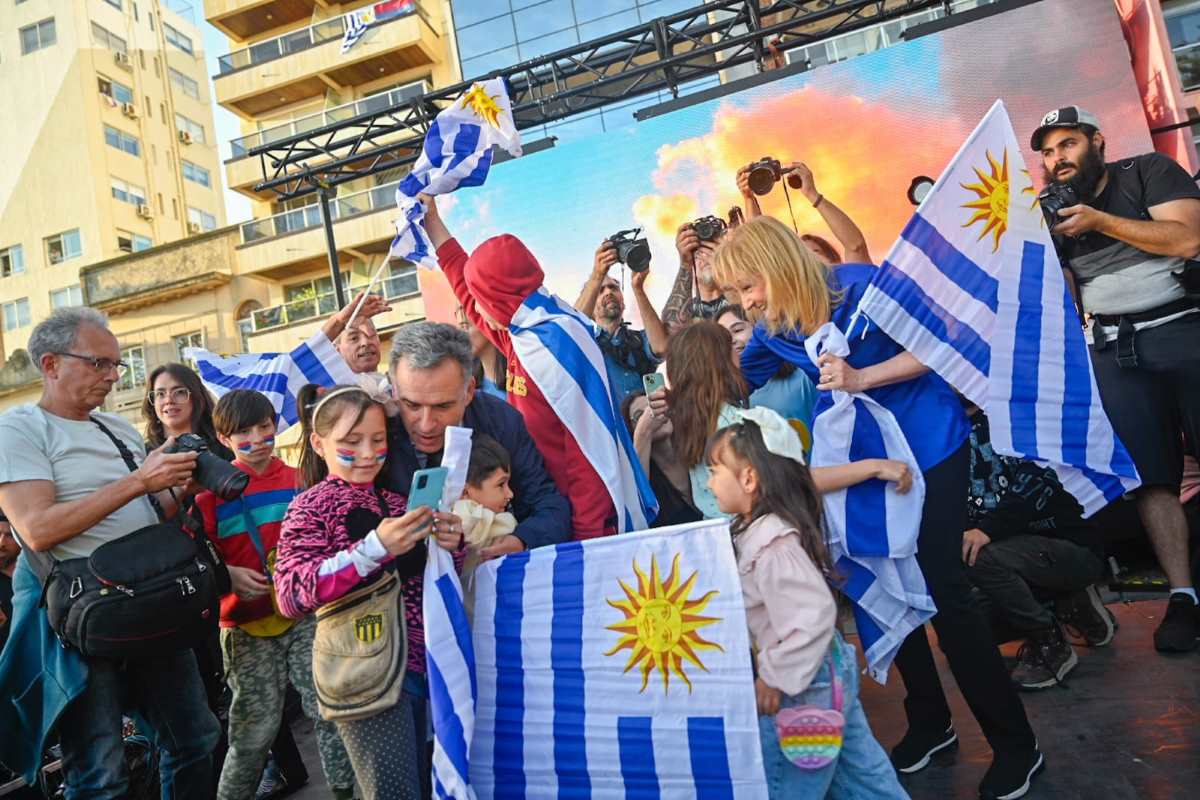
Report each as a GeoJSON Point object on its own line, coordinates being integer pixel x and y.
{"type": "Point", "coordinates": [268, 441]}
{"type": "Point", "coordinates": [245, 447]}
{"type": "Point", "coordinates": [381, 456]}
{"type": "Point", "coordinates": [345, 457]}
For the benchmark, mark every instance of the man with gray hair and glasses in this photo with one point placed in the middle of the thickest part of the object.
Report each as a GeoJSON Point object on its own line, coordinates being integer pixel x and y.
{"type": "Point", "coordinates": [433, 384]}
{"type": "Point", "coordinates": [67, 490]}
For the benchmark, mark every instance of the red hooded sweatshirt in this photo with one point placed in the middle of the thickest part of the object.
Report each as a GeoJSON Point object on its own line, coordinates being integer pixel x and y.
{"type": "Point", "coordinates": [497, 278]}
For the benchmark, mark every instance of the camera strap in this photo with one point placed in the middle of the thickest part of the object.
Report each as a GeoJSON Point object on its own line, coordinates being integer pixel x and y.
{"type": "Point", "coordinates": [787, 196]}
{"type": "Point", "coordinates": [123, 449]}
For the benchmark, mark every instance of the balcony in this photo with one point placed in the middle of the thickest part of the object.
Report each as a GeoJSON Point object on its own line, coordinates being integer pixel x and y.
{"type": "Point", "coordinates": [396, 287]}
{"type": "Point", "coordinates": [292, 243]}
{"type": "Point", "coordinates": [1187, 58]}
{"type": "Point", "coordinates": [242, 19]}
{"type": "Point", "coordinates": [190, 266]}
{"type": "Point", "coordinates": [243, 173]}
{"type": "Point", "coordinates": [303, 64]}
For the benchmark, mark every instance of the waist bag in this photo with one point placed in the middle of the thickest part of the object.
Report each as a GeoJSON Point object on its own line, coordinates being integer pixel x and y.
{"type": "Point", "coordinates": [146, 594]}
{"type": "Point", "coordinates": [361, 648]}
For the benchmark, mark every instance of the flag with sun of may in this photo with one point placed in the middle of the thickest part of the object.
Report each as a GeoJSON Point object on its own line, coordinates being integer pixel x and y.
{"type": "Point", "coordinates": [973, 288]}
{"type": "Point", "coordinates": [616, 668]}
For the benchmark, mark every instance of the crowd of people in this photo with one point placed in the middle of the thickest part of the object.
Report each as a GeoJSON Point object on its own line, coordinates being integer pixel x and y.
{"type": "Point", "coordinates": [714, 400]}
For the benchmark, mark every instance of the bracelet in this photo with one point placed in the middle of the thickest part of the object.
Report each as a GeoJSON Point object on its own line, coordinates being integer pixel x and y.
{"type": "Point", "coordinates": [820, 199]}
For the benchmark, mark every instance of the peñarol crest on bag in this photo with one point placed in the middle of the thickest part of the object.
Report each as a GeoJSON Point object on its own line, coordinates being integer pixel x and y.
{"type": "Point", "coordinates": [368, 628]}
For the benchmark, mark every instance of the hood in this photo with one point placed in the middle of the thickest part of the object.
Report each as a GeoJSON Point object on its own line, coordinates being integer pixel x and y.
{"type": "Point", "coordinates": [500, 274]}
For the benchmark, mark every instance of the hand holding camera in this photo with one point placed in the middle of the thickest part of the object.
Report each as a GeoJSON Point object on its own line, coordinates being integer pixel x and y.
{"type": "Point", "coordinates": [165, 468]}
{"type": "Point", "coordinates": [762, 175]}
{"type": "Point", "coordinates": [606, 256]}
{"type": "Point", "coordinates": [686, 242]}
{"type": "Point", "coordinates": [212, 473]}
{"type": "Point", "coordinates": [632, 251]}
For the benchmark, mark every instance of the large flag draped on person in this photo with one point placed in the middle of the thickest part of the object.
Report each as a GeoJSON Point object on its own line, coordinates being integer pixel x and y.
{"type": "Point", "coordinates": [279, 376]}
{"type": "Point", "coordinates": [556, 345]}
{"type": "Point", "coordinates": [974, 289]}
{"type": "Point", "coordinates": [872, 528]}
{"type": "Point", "coordinates": [616, 667]}
{"type": "Point", "coordinates": [457, 152]}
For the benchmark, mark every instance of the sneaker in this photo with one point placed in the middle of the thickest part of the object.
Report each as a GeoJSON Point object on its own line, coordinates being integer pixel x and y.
{"type": "Point", "coordinates": [1010, 775]}
{"type": "Point", "coordinates": [271, 786]}
{"type": "Point", "coordinates": [1044, 660]}
{"type": "Point", "coordinates": [915, 750]}
{"type": "Point", "coordinates": [1086, 619]}
{"type": "Point", "coordinates": [1180, 625]}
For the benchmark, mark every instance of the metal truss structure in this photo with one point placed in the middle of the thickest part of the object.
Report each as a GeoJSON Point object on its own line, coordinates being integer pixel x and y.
{"type": "Point", "coordinates": [660, 55]}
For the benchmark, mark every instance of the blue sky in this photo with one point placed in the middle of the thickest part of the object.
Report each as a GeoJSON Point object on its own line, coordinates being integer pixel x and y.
{"type": "Point", "coordinates": [237, 207]}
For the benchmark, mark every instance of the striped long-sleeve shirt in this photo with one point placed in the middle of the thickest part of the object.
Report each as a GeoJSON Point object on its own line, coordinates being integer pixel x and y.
{"type": "Point", "coordinates": [318, 560]}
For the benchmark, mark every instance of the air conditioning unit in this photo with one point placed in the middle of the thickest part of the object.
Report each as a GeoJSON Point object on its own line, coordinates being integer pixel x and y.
{"type": "Point", "coordinates": [193, 227]}
{"type": "Point", "coordinates": [144, 211]}
{"type": "Point", "coordinates": [121, 58]}
{"type": "Point", "coordinates": [185, 137]}
{"type": "Point", "coordinates": [129, 110]}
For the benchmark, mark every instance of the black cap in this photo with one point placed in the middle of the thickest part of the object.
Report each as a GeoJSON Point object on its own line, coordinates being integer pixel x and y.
{"type": "Point", "coordinates": [1068, 117]}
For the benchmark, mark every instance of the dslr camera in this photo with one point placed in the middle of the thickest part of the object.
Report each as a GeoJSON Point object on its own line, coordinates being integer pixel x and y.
{"type": "Point", "coordinates": [766, 172]}
{"type": "Point", "coordinates": [1055, 198]}
{"type": "Point", "coordinates": [212, 472]}
{"type": "Point", "coordinates": [632, 251]}
{"type": "Point", "coordinates": [709, 229]}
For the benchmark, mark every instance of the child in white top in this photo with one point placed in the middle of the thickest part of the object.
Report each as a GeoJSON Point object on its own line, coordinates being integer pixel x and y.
{"type": "Point", "coordinates": [759, 476]}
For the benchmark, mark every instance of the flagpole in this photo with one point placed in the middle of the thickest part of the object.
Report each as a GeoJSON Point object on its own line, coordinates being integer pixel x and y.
{"type": "Point", "coordinates": [335, 272]}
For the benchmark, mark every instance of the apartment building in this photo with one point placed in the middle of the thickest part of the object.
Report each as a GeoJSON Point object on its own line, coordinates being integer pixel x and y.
{"type": "Point", "coordinates": [109, 141]}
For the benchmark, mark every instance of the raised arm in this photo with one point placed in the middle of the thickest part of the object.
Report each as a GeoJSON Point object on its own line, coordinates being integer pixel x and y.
{"type": "Point", "coordinates": [1174, 229]}
{"type": "Point", "coordinates": [336, 323]}
{"type": "Point", "coordinates": [753, 209]}
{"type": "Point", "coordinates": [674, 311]}
{"type": "Point", "coordinates": [606, 256]}
{"type": "Point", "coordinates": [656, 332]}
{"type": "Point", "coordinates": [848, 234]}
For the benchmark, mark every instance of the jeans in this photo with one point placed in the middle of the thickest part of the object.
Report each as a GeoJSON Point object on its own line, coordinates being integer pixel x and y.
{"type": "Point", "coordinates": [165, 696]}
{"type": "Point", "coordinates": [963, 633]}
{"type": "Point", "coordinates": [1008, 570]}
{"type": "Point", "coordinates": [862, 769]}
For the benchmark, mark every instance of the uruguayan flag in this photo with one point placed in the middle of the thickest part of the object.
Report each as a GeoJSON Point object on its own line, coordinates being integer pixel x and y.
{"type": "Point", "coordinates": [457, 152]}
{"type": "Point", "coordinates": [279, 376]}
{"type": "Point", "coordinates": [356, 24]}
{"type": "Point", "coordinates": [617, 667]}
{"type": "Point", "coordinates": [872, 528]}
{"type": "Point", "coordinates": [973, 288]}
{"type": "Point", "coordinates": [556, 345]}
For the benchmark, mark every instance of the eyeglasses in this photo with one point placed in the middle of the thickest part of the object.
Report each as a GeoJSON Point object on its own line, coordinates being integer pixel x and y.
{"type": "Point", "coordinates": [180, 394]}
{"type": "Point", "coordinates": [101, 365]}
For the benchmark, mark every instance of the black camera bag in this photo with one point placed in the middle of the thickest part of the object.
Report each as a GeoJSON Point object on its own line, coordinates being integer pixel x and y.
{"type": "Point", "coordinates": [152, 592]}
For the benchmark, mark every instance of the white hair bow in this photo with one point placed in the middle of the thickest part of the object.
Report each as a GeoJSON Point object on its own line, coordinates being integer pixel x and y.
{"type": "Point", "coordinates": [778, 435]}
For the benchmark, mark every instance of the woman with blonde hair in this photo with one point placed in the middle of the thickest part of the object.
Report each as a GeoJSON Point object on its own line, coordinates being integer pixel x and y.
{"type": "Point", "coordinates": [796, 293]}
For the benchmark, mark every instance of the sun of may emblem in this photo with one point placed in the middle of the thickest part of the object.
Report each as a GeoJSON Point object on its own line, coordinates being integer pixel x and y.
{"type": "Point", "coordinates": [483, 104]}
{"type": "Point", "coordinates": [991, 203]}
{"type": "Point", "coordinates": [661, 623]}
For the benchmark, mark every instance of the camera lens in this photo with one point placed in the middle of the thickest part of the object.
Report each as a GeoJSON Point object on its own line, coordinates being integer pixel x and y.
{"type": "Point", "coordinates": [636, 255]}
{"type": "Point", "coordinates": [761, 180]}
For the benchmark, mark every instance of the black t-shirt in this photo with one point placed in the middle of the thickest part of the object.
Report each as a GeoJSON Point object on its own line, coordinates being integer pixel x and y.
{"type": "Point", "coordinates": [1115, 277]}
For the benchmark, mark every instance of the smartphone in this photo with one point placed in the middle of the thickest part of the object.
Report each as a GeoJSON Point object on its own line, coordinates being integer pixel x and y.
{"type": "Point", "coordinates": [652, 382]}
{"type": "Point", "coordinates": [427, 487]}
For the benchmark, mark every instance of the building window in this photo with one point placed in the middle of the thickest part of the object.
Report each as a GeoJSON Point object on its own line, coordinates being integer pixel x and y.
{"type": "Point", "coordinates": [196, 174]}
{"type": "Point", "coordinates": [108, 39]}
{"type": "Point", "coordinates": [1183, 29]}
{"type": "Point", "coordinates": [206, 221]}
{"type": "Point", "coordinates": [16, 314]}
{"type": "Point", "coordinates": [117, 91]}
{"type": "Point", "coordinates": [122, 141]}
{"type": "Point", "coordinates": [37, 36]}
{"type": "Point", "coordinates": [182, 343]}
{"type": "Point", "coordinates": [135, 375]}
{"type": "Point", "coordinates": [188, 126]}
{"type": "Point", "coordinates": [64, 246]}
{"type": "Point", "coordinates": [115, 4]}
{"type": "Point", "coordinates": [12, 261]}
{"type": "Point", "coordinates": [150, 19]}
{"type": "Point", "coordinates": [184, 83]}
{"type": "Point", "coordinates": [133, 242]}
{"type": "Point", "coordinates": [67, 296]}
{"type": "Point", "coordinates": [175, 37]}
{"type": "Point", "coordinates": [128, 193]}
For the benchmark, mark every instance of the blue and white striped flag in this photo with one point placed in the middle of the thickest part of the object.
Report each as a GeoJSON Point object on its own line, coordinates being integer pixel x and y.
{"type": "Point", "coordinates": [450, 668]}
{"type": "Point", "coordinates": [617, 667]}
{"type": "Point", "coordinates": [556, 345]}
{"type": "Point", "coordinates": [872, 528]}
{"type": "Point", "coordinates": [279, 376]}
{"type": "Point", "coordinates": [457, 152]}
{"type": "Point", "coordinates": [973, 288]}
{"type": "Point", "coordinates": [356, 23]}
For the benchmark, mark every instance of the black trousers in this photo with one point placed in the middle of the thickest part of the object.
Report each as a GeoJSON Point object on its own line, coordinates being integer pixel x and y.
{"type": "Point", "coordinates": [1009, 572]}
{"type": "Point", "coordinates": [963, 633]}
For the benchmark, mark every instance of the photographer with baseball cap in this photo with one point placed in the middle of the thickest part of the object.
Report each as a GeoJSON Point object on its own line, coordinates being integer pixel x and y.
{"type": "Point", "coordinates": [1127, 233]}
